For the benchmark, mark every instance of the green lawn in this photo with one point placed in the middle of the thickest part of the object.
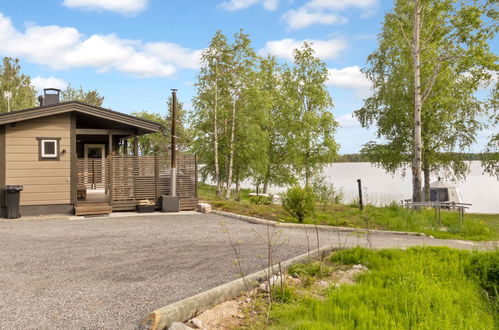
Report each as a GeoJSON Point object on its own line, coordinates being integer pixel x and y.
{"type": "Point", "coordinates": [477, 227]}
{"type": "Point", "coordinates": [417, 288]}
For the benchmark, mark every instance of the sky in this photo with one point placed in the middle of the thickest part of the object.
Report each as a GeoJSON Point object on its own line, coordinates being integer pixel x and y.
{"type": "Point", "coordinates": [134, 51]}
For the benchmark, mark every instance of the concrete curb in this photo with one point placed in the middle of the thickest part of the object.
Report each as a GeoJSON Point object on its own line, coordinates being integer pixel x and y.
{"type": "Point", "coordinates": [189, 308]}
{"type": "Point", "coordinates": [308, 226]}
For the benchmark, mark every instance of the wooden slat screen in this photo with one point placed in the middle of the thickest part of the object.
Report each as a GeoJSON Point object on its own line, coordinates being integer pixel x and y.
{"type": "Point", "coordinates": [132, 178]}
{"type": "Point", "coordinates": [148, 177]}
{"type": "Point", "coordinates": [93, 173]}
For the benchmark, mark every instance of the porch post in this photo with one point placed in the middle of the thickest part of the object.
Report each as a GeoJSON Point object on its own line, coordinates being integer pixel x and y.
{"type": "Point", "coordinates": [110, 162]}
{"type": "Point", "coordinates": [135, 146]}
{"type": "Point", "coordinates": [125, 147]}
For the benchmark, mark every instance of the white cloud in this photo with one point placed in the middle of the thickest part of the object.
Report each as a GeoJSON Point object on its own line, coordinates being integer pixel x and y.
{"type": "Point", "coordinates": [326, 12]}
{"type": "Point", "coordinates": [65, 47]}
{"type": "Point", "coordinates": [127, 7]}
{"type": "Point", "coordinates": [350, 77]}
{"type": "Point", "coordinates": [270, 4]}
{"type": "Point", "coordinates": [301, 18]}
{"type": "Point", "coordinates": [341, 4]}
{"type": "Point", "coordinates": [233, 5]}
{"type": "Point", "coordinates": [348, 120]}
{"type": "Point", "coordinates": [51, 82]}
{"type": "Point", "coordinates": [324, 49]}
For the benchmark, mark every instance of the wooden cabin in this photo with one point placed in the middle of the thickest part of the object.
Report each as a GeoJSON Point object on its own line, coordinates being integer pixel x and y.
{"type": "Point", "coordinates": [73, 157]}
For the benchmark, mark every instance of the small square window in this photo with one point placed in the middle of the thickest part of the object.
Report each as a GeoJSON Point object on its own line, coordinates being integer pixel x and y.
{"type": "Point", "coordinates": [48, 148]}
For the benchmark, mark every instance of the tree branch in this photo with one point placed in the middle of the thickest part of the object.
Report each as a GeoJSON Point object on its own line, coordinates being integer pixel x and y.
{"type": "Point", "coordinates": [403, 31]}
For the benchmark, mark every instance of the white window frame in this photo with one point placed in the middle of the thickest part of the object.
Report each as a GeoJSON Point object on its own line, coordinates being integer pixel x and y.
{"type": "Point", "coordinates": [48, 156]}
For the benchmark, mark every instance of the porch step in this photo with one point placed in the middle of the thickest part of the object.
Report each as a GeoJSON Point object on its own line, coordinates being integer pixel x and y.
{"type": "Point", "coordinates": [93, 209]}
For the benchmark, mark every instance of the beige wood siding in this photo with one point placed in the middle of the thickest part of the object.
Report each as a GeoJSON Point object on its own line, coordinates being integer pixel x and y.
{"type": "Point", "coordinates": [45, 181]}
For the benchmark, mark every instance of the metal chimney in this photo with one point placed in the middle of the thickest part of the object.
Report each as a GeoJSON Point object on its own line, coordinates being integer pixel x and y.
{"type": "Point", "coordinates": [50, 97]}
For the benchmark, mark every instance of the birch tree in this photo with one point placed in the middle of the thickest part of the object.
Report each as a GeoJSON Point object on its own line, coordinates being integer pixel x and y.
{"type": "Point", "coordinates": [210, 104]}
{"type": "Point", "coordinates": [18, 84]}
{"type": "Point", "coordinates": [431, 59]}
{"type": "Point", "coordinates": [311, 124]}
{"type": "Point", "coordinates": [242, 73]}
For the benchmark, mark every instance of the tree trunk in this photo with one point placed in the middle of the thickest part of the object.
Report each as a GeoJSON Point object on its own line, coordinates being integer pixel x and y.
{"type": "Point", "coordinates": [238, 190]}
{"type": "Point", "coordinates": [416, 189]}
{"type": "Point", "coordinates": [267, 179]}
{"type": "Point", "coordinates": [215, 139]}
{"type": "Point", "coordinates": [231, 151]}
{"type": "Point", "coordinates": [426, 171]}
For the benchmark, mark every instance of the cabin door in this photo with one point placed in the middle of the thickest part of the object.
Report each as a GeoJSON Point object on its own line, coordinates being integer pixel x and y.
{"type": "Point", "coordinates": [95, 163]}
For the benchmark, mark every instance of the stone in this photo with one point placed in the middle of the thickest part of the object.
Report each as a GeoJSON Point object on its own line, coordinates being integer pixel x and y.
{"type": "Point", "coordinates": [204, 208]}
{"type": "Point", "coordinates": [323, 284]}
{"type": "Point", "coordinates": [359, 266]}
{"type": "Point", "coordinates": [178, 326]}
{"type": "Point", "coordinates": [197, 322]}
{"type": "Point", "coordinates": [274, 279]}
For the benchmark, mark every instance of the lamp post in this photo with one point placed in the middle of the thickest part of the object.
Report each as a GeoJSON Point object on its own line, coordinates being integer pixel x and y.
{"type": "Point", "coordinates": [8, 96]}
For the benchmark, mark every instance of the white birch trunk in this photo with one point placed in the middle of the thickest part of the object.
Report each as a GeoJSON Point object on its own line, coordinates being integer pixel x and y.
{"type": "Point", "coordinates": [416, 172]}
{"type": "Point", "coordinates": [215, 136]}
{"type": "Point", "coordinates": [231, 151]}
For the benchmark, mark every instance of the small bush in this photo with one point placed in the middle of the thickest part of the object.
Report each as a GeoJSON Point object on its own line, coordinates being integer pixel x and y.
{"type": "Point", "coordinates": [299, 202]}
{"type": "Point", "coordinates": [314, 269]}
{"type": "Point", "coordinates": [261, 200]}
{"type": "Point", "coordinates": [484, 268]}
{"type": "Point", "coordinates": [325, 193]}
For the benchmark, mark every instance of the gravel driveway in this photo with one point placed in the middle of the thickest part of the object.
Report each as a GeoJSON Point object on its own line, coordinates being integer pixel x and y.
{"type": "Point", "coordinates": [109, 273]}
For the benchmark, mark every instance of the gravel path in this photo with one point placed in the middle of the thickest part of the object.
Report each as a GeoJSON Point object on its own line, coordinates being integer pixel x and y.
{"type": "Point", "coordinates": [109, 273]}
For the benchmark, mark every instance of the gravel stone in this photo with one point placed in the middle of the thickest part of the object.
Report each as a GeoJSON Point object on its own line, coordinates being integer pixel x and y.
{"type": "Point", "coordinates": [109, 273]}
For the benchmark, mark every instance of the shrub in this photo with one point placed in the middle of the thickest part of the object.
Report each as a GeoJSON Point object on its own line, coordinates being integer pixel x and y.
{"type": "Point", "coordinates": [325, 193]}
{"type": "Point", "coordinates": [299, 202]}
{"type": "Point", "coordinates": [261, 200]}
{"type": "Point", "coordinates": [484, 268]}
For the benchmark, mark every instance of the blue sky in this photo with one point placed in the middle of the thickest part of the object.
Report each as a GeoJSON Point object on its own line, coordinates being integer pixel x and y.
{"type": "Point", "coordinates": [135, 51]}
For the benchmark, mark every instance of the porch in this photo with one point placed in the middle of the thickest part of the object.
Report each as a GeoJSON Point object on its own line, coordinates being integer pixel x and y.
{"type": "Point", "coordinates": [112, 176]}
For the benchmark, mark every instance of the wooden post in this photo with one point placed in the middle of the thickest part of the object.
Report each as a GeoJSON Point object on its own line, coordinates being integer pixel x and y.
{"type": "Point", "coordinates": [196, 176]}
{"type": "Point", "coordinates": [361, 203]}
{"type": "Point", "coordinates": [135, 146]}
{"type": "Point", "coordinates": [156, 175]}
{"type": "Point", "coordinates": [110, 167]}
{"type": "Point", "coordinates": [125, 147]}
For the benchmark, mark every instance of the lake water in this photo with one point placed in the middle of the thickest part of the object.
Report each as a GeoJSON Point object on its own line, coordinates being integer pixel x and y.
{"type": "Point", "coordinates": [381, 188]}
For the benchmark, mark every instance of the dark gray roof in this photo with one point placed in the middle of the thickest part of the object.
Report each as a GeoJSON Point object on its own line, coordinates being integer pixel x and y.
{"type": "Point", "coordinates": [143, 125]}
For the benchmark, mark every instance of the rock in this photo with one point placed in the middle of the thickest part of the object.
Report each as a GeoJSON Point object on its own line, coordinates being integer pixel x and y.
{"type": "Point", "coordinates": [204, 208]}
{"type": "Point", "coordinates": [178, 326]}
{"type": "Point", "coordinates": [323, 284]}
{"type": "Point", "coordinates": [359, 267]}
{"type": "Point", "coordinates": [430, 236]}
{"type": "Point", "coordinates": [197, 322]}
{"type": "Point", "coordinates": [337, 285]}
{"type": "Point", "coordinates": [274, 280]}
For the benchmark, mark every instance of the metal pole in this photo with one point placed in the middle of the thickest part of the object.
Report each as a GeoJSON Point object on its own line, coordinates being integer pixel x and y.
{"type": "Point", "coordinates": [174, 145]}
{"type": "Point", "coordinates": [361, 203]}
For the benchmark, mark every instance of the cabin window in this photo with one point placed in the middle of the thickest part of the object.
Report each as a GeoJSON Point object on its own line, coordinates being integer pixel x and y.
{"type": "Point", "coordinates": [48, 148]}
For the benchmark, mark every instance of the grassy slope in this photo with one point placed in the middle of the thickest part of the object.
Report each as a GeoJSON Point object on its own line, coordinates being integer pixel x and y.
{"type": "Point", "coordinates": [418, 288]}
{"type": "Point", "coordinates": [476, 226]}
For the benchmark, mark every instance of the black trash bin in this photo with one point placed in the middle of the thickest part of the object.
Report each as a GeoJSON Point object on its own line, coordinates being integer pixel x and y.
{"type": "Point", "coordinates": [12, 196]}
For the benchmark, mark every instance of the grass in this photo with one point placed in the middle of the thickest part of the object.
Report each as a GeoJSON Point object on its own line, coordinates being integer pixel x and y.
{"type": "Point", "coordinates": [417, 288]}
{"type": "Point", "coordinates": [477, 227]}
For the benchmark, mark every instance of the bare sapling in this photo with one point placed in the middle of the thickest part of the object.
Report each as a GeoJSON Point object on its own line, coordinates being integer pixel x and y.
{"type": "Point", "coordinates": [274, 241]}
{"type": "Point", "coordinates": [235, 246]}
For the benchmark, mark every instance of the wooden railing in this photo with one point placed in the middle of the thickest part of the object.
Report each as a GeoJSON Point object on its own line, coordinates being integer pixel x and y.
{"type": "Point", "coordinates": [93, 173]}
{"type": "Point", "coordinates": [129, 179]}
